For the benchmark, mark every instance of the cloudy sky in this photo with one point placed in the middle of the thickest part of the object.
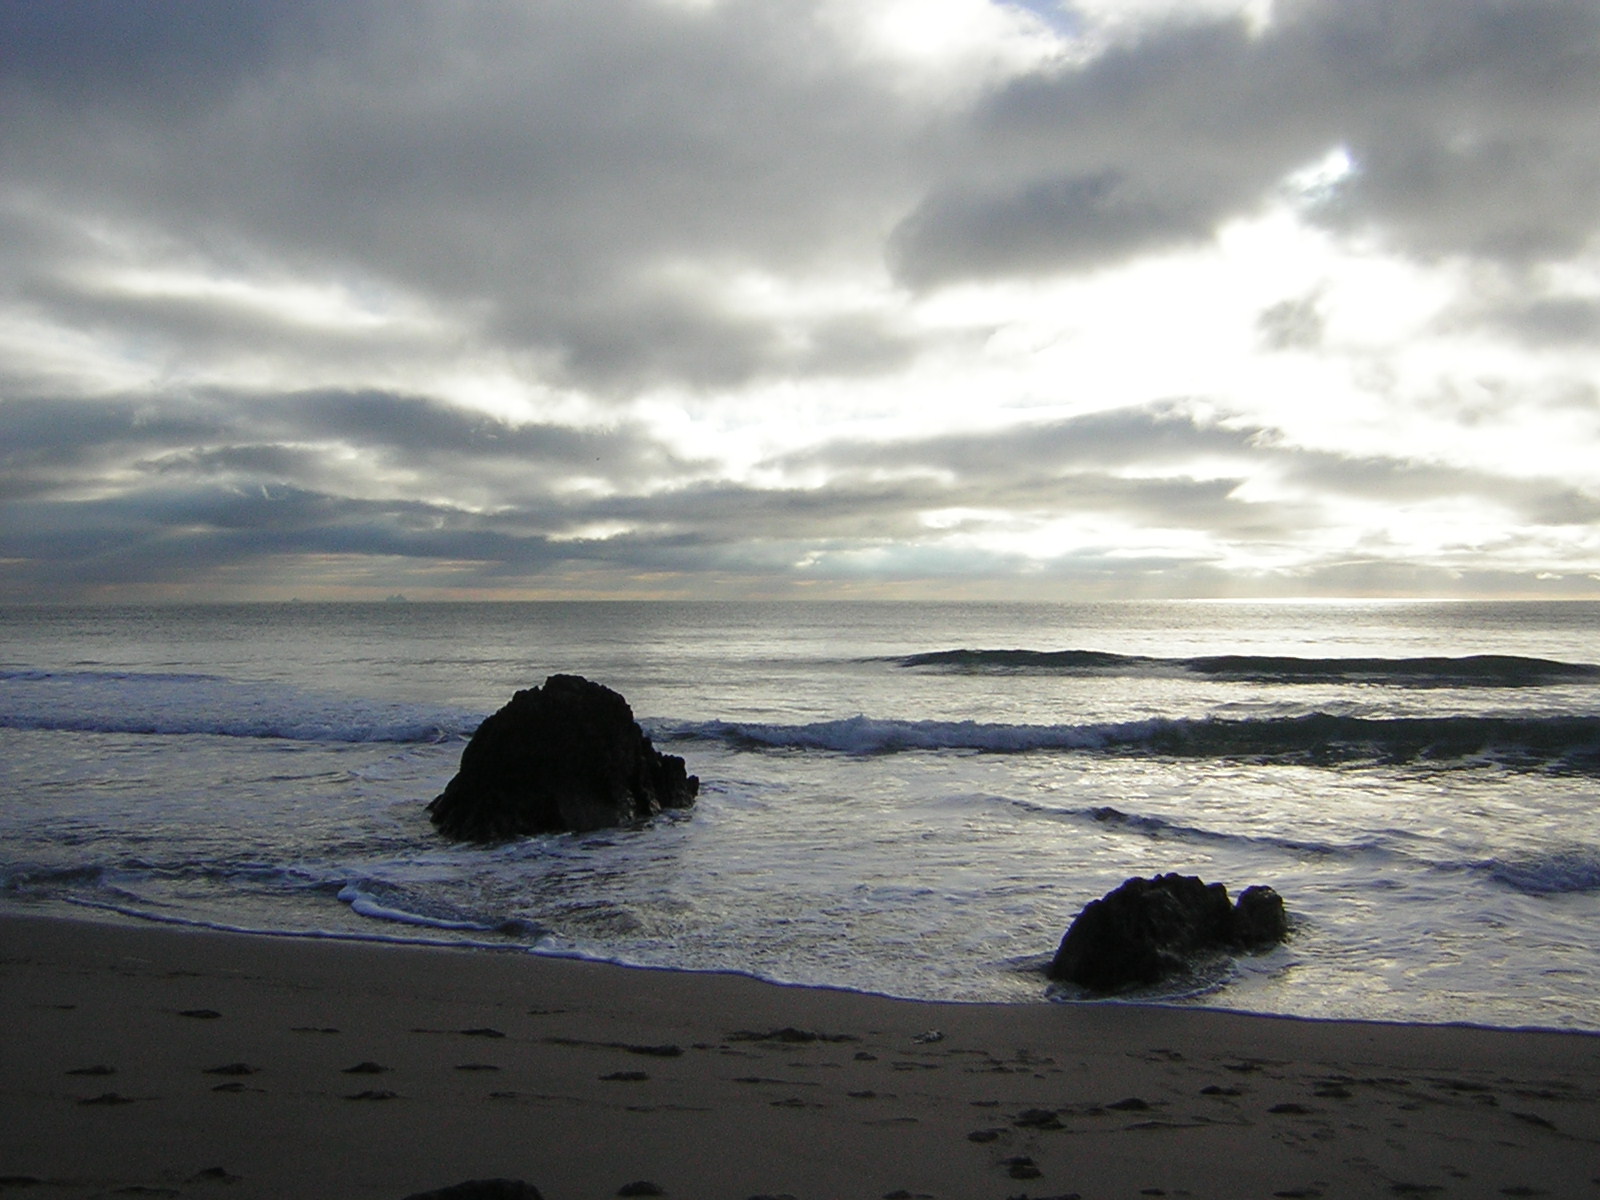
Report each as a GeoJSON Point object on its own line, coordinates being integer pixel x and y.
{"type": "Point", "coordinates": [925, 298]}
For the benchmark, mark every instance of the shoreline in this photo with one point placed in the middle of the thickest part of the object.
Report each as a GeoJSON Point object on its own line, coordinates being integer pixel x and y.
{"type": "Point", "coordinates": [193, 1062]}
{"type": "Point", "coordinates": [120, 919]}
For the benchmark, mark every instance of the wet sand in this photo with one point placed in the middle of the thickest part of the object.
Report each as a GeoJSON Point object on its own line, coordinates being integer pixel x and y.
{"type": "Point", "coordinates": [155, 1061]}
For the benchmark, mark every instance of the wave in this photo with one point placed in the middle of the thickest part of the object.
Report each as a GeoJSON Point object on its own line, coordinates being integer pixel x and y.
{"type": "Point", "coordinates": [1552, 873]}
{"type": "Point", "coordinates": [379, 904]}
{"type": "Point", "coordinates": [156, 703]}
{"type": "Point", "coordinates": [1315, 738]}
{"type": "Point", "coordinates": [1474, 670]}
{"type": "Point", "coordinates": [1164, 829]}
{"type": "Point", "coordinates": [140, 913]}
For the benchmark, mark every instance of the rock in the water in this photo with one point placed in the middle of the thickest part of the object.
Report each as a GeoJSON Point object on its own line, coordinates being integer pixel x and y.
{"type": "Point", "coordinates": [1259, 919]}
{"type": "Point", "coordinates": [565, 756]}
{"type": "Point", "coordinates": [1149, 930]}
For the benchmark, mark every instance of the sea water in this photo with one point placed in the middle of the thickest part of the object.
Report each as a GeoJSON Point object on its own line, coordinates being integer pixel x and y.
{"type": "Point", "coordinates": [909, 799]}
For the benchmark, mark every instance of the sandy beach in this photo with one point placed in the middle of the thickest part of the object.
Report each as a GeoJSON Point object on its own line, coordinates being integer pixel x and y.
{"type": "Point", "coordinates": [143, 1060]}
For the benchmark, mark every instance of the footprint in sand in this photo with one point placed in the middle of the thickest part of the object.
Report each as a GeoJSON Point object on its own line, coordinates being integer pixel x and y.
{"type": "Point", "coordinates": [1022, 1167]}
{"type": "Point", "coordinates": [214, 1175]}
{"type": "Point", "coordinates": [641, 1187]}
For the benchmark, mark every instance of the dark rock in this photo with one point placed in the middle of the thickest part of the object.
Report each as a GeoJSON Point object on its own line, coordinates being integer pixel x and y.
{"type": "Point", "coordinates": [1259, 918]}
{"type": "Point", "coordinates": [1149, 930]}
{"type": "Point", "coordinates": [483, 1189]}
{"type": "Point", "coordinates": [565, 756]}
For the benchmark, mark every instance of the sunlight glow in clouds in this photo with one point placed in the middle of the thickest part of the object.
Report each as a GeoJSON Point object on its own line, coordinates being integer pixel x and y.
{"type": "Point", "coordinates": [865, 297]}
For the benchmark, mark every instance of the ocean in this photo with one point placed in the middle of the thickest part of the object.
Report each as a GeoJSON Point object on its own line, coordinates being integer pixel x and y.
{"type": "Point", "coordinates": [900, 798]}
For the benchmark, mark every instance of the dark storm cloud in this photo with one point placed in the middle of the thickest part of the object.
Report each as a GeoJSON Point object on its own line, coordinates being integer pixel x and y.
{"type": "Point", "coordinates": [1472, 126]}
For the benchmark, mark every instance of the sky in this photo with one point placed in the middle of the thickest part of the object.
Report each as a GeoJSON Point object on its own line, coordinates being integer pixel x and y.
{"type": "Point", "coordinates": [967, 299]}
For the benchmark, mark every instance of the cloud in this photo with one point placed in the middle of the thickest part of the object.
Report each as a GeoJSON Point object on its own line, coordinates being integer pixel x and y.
{"type": "Point", "coordinates": [769, 292]}
{"type": "Point", "coordinates": [1470, 129]}
{"type": "Point", "coordinates": [535, 171]}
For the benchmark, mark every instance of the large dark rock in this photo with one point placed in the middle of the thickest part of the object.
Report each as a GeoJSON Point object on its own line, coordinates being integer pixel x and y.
{"type": "Point", "coordinates": [1149, 930]}
{"type": "Point", "coordinates": [565, 756]}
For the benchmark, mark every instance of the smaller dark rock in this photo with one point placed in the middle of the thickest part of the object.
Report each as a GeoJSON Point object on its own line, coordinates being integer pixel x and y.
{"type": "Point", "coordinates": [1149, 930]}
{"type": "Point", "coordinates": [641, 1187]}
{"type": "Point", "coordinates": [1259, 918]}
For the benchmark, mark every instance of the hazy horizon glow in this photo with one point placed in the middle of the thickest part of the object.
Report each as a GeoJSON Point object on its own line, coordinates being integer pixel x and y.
{"type": "Point", "coordinates": [856, 298]}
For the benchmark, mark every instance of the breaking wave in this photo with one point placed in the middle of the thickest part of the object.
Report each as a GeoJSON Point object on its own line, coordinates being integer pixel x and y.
{"type": "Point", "coordinates": [1552, 873]}
{"type": "Point", "coordinates": [1476, 670]}
{"type": "Point", "coordinates": [1317, 738]}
